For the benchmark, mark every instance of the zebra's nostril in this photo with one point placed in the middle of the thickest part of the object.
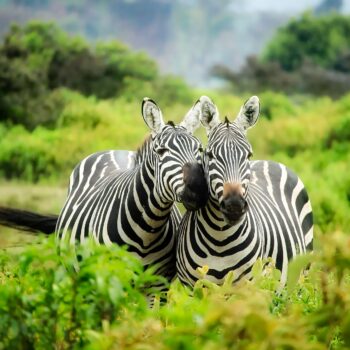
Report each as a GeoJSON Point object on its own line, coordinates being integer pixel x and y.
{"type": "Point", "coordinates": [234, 204]}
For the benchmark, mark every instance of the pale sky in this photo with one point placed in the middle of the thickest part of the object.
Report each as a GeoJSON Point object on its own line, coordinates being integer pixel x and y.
{"type": "Point", "coordinates": [295, 6]}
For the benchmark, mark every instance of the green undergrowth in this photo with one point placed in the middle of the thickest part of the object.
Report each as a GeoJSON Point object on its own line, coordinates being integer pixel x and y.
{"type": "Point", "coordinates": [45, 303]}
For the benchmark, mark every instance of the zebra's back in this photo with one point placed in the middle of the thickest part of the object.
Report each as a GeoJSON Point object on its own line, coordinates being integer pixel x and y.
{"type": "Point", "coordinates": [281, 207]}
{"type": "Point", "coordinates": [99, 164]}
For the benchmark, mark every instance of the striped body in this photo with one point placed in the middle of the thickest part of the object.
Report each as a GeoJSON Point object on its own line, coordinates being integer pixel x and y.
{"type": "Point", "coordinates": [278, 224]}
{"type": "Point", "coordinates": [134, 205]}
{"type": "Point", "coordinates": [256, 209]}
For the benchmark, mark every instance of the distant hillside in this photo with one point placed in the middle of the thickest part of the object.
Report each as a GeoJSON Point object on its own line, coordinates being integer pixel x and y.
{"type": "Point", "coordinates": [185, 37]}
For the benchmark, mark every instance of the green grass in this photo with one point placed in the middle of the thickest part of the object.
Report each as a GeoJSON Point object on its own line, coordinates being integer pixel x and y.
{"type": "Point", "coordinates": [39, 198]}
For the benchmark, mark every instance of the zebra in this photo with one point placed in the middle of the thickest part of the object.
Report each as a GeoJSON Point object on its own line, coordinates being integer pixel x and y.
{"type": "Point", "coordinates": [256, 209]}
{"type": "Point", "coordinates": [46, 223]}
{"type": "Point", "coordinates": [134, 206]}
{"type": "Point", "coordinates": [35, 222]}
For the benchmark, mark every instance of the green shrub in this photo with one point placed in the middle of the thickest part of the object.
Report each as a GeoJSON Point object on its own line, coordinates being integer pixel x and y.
{"type": "Point", "coordinates": [46, 304]}
{"type": "Point", "coordinates": [102, 304]}
{"type": "Point", "coordinates": [25, 155]}
{"type": "Point", "coordinates": [276, 105]}
{"type": "Point", "coordinates": [340, 132]}
{"type": "Point", "coordinates": [84, 125]}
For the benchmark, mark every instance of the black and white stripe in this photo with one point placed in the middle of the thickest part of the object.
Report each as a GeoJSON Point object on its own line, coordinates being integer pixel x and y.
{"type": "Point", "coordinates": [46, 223]}
{"type": "Point", "coordinates": [134, 205]}
{"type": "Point", "coordinates": [256, 209]}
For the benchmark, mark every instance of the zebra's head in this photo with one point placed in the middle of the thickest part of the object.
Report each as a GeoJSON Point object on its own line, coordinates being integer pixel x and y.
{"type": "Point", "coordinates": [226, 159]}
{"type": "Point", "coordinates": [176, 157]}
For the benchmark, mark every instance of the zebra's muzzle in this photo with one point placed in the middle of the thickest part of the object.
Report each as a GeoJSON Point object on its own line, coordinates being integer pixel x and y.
{"type": "Point", "coordinates": [196, 192]}
{"type": "Point", "coordinates": [233, 208]}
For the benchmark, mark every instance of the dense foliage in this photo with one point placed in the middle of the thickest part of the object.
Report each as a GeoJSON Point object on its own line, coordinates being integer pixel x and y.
{"type": "Point", "coordinates": [45, 304]}
{"type": "Point", "coordinates": [54, 111]}
{"type": "Point", "coordinates": [103, 304]}
{"type": "Point", "coordinates": [324, 40]}
{"type": "Point", "coordinates": [39, 57]}
{"type": "Point", "coordinates": [309, 55]}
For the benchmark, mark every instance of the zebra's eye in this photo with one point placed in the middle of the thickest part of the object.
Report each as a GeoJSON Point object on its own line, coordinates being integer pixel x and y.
{"type": "Point", "coordinates": [161, 151]}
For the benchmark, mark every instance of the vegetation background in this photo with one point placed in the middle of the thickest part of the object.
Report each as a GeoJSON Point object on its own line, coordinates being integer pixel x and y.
{"type": "Point", "coordinates": [63, 96]}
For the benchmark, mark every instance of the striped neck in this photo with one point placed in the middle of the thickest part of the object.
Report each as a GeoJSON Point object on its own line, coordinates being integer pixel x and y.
{"type": "Point", "coordinates": [144, 203]}
{"type": "Point", "coordinates": [216, 223]}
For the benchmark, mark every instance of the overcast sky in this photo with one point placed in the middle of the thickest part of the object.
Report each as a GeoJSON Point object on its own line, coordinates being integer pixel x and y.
{"type": "Point", "coordinates": [294, 7]}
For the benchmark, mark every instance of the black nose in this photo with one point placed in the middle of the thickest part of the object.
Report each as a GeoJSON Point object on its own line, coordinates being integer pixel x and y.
{"type": "Point", "coordinates": [196, 192]}
{"type": "Point", "coordinates": [233, 207]}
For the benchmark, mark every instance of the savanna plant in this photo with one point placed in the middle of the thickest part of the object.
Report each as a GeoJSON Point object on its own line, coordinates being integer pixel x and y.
{"type": "Point", "coordinates": [47, 304]}
{"type": "Point", "coordinates": [101, 305]}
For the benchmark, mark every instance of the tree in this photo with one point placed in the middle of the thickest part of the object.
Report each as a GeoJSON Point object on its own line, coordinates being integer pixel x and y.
{"type": "Point", "coordinates": [321, 40]}
{"type": "Point", "coordinates": [39, 57]}
{"type": "Point", "coordinates": [310, 55]}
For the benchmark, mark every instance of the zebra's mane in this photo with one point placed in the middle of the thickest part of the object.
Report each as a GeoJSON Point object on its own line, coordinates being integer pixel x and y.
{"type": "Point", "coordinates": [171, 123]}
{"type": "Point", "coordinates": [227, 122]}
{"type": "Point", "coordinates": [143, 150]}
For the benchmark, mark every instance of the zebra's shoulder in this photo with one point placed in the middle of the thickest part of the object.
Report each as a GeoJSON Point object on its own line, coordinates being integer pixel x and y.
{"type": "Point", "coordinates": [101, 164]}
{"type": "Point", "coordinates": [276, 178]}
{"type": "Point", "coordinates": [272, 169]}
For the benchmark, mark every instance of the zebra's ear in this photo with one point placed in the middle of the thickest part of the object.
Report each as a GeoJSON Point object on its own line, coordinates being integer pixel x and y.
{"type": "Point", "coordinates": [209, 116]}
{"type": "Point", "coordinates": [249, 113]}
{"type": "Point", "coordinates": [191, 121]}
{"type": "Point", "coordinates": [152, 115]}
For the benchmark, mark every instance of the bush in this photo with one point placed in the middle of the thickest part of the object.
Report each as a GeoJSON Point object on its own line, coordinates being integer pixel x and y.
{"type": "Point", "coordinates": [85, 125]}
{"type": "Point", "coordinates": [276, 105]}
{"type": "Point", "coordinates": [339, 133]}
{"type": "Point", "coordinates": [168, 89]}
{"type": "Point", "coordinates": [27, 156]}
{"type": "Point", "coordinates": [102, 305]}
{"type": "Point", "coordinates": [37, 289]}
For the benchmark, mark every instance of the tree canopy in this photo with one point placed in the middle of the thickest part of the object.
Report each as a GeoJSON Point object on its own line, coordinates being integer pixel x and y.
{"type": "Point", "coordinates": [323, 40]}
{"type": "Point", "coordinates": [309, 55]}
{"type": "Point", "coordinates": [39, 57]}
